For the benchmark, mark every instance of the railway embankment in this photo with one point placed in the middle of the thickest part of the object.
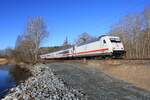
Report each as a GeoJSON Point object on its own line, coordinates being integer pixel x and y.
{"type": "Point", "coordinates": [132, 71]}
{"type": "Point", "coordinates": [43, 85]}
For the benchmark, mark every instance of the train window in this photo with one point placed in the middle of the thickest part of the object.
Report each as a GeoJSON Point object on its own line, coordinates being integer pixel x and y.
{"type": "Point", "coordinates": [115, 40]}
{"type": "Point", "coordinates": [104, 41]}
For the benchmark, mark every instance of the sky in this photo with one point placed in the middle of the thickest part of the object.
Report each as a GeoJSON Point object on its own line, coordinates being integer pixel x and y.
{"type": "Point", "coordinates": [64, 18]}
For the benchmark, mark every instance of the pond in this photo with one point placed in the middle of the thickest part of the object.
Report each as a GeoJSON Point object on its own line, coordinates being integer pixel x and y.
{"type": "Point", "coordinates": [10, 76]}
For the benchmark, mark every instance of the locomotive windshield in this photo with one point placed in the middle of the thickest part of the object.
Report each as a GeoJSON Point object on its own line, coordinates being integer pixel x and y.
{"type": "Point", "coordinates": [115, 40]}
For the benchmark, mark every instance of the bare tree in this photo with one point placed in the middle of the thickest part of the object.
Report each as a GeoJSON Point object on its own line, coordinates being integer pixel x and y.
{"type": "Point", "coordinates": [27, 45]}
{"type": "Point", "coordinates": [37, 31]}
{"type": "Point", "coordinates": [147, 29]}
{"type": "Point", "coordinates": [83, 38]}
{"type": "Point", "coordinates": [134, 30]}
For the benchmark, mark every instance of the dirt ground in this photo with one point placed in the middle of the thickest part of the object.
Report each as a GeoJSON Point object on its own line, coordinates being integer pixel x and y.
{"type": "Point", "coordinates": [132, 71]}
{"type": "Point", "coordinates": [95, 84]}
{"type": "Point", "coordinates": [3, 61]}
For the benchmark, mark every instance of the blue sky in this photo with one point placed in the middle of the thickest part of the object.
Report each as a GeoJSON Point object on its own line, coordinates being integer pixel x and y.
{"type": "Point", "coordinates": [63, 17]}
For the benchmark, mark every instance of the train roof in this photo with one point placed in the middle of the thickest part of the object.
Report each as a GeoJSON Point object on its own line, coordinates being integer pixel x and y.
{"type": "Point", "coordinates": [95, 39]}
{"type": "Point", "coordinates": [92, 40]}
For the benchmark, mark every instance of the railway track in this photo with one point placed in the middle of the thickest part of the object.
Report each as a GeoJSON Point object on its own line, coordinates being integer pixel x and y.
{"type": "Point", "coordinates": [103, 61]}
{"type": "Point", "coordinates": [98, 60]}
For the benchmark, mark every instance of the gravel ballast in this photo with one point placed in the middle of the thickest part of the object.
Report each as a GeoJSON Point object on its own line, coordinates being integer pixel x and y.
{"type": "Point", "coordinates": [44, 85]}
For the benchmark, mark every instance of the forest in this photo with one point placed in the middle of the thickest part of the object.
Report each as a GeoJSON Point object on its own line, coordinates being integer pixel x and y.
{"type": "Point", "coordinates": [134, 31]}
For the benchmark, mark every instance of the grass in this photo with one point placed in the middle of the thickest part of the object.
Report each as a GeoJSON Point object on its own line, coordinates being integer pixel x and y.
{"type": "Point", "coordinates": [136, 72]}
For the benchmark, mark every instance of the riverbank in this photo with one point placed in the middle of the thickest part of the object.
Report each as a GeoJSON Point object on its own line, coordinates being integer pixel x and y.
{"type": "Point", "coordinates": [10, 76]}
{"type": "Point", "coordinates": [44, 85]}
{"type": "Point", "coordinates": [3, 61]}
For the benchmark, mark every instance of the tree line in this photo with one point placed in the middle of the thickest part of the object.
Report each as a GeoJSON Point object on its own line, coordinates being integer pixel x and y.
{"type": "Point", "coordinates": [134, 31]}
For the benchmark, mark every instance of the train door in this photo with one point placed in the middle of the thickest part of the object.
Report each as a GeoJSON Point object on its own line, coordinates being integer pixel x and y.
{"type": "Point", "coordinates": [73, 51]}
{"type": "Point", "coordinates": [104, 44]}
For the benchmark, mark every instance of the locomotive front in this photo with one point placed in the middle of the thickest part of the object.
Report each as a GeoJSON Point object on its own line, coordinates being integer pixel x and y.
{"type": "Point", "coordinates": [117, 47]}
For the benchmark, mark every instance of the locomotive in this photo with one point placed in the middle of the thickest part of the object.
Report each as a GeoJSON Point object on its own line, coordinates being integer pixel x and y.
{"type": "Point", "coordinates": [103, 46]}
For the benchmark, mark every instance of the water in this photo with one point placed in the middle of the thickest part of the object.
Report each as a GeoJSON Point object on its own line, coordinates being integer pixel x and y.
{"type": "Point", "coordinates": [6, 79]}
{"type": "Point", "coordinates": [10, 76]}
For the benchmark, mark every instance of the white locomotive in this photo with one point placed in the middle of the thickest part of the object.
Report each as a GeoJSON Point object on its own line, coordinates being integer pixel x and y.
{"type": "Point", "coordinates": [104, 46]}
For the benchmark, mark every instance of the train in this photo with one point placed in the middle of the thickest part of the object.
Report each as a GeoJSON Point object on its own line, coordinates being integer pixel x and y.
{"type": "Point", "coordinates": [105, 46]}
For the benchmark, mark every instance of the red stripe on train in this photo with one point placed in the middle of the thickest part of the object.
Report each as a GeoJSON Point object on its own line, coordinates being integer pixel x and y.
{"type": "Point", "coordinates": [92, 51]}
{"type": "Point", "coordinates": [98, 50]}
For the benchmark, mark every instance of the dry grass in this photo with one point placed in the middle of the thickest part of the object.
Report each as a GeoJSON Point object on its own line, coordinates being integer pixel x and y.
{"type": "Point", "coordinates": [3, 61]}
{"type": "Point", "coordinates": [134, 72]}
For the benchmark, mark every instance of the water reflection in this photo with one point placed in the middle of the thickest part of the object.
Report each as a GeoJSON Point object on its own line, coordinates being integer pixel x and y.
{"type": "Point", "coordinates": [19, 74]}
{"type": "Point", "coordinates": [10, 76]}
{"type": "Point", "coordinates": [6, 79]}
